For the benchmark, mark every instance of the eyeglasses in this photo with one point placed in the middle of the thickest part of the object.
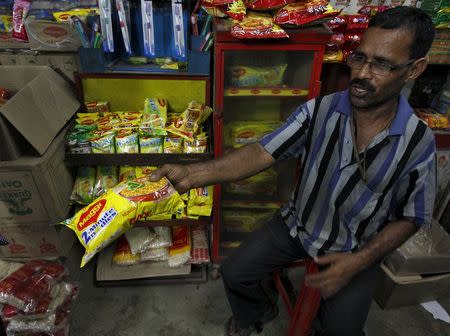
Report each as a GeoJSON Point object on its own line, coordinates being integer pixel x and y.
{"type": "Point", "coordinates": [357, 61]}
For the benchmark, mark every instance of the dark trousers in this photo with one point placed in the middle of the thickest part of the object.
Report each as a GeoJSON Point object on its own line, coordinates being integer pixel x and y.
{"type": "Point", "coordinates": [246, 271]}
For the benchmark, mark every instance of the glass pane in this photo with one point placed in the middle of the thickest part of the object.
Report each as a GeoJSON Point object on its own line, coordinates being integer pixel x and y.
{"type": "Point", "coordinates": [261, 89]}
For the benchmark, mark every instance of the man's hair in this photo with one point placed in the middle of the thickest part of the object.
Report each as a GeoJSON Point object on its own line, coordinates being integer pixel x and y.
{"type": "Point", "coordinates": [410, 19]}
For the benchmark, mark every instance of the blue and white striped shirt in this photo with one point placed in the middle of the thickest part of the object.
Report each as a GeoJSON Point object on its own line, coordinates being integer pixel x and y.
{"type": "Point", "coordinates": [332, 208]}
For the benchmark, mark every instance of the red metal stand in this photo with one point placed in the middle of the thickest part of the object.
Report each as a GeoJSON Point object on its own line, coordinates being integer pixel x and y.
{"type": "Point", "coordinates": [307, 303]}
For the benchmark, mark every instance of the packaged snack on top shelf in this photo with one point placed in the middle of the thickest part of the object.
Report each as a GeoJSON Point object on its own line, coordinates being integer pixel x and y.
{"type": "Point", "coordinates": [200, 201]}
{"type": "Point", "coordinates": [303, 13]}
{"type": "Point", "coordinates": [241, 133]}
{"type": "Point", "coordinates": [78, 141]}
{"type": "Point", "coordinates": [102, 142]}
{"type": "Point", "coordinates": [139, 239]}
{"type": "Point", "coordinates": [106, 178]}
{"type": "Point", "coordinates": [267, 4]}
{"type": "Point", "coordinates": [180, 251]}
{"type": "Point", "coordinates": [87, 121]}
{"type": "Point", "coordinates": [122, 253]}
{"type": "Point", "coordinates": [336, 41]}
{"type": "Point", "coordinates": [127, 141]}
{"type": "Point", "coordinates": [155, 116]}
{"type": "Point", "coordinates": [82, 13]}
{"type": "Point", "coordinates": [200, 250]}
{"type": "Point", "coordinates": [149, 144]}
{"type": "Point", "coordinates": [256, 26]}
{"type": "Point", "coordinates": [173, 145]}
{"type": "Point", "coordinates": [97, 106]}
{"type": "Point", "coordinates": [83, 189]}
{"type": "Point", "coordinates": [250, 76]}
{"type": "Point", "coordinates": [189, 122]}
{"type": "Point", "coordinates": [198, 146]}
{"type": "Point", "coordinates": [127, 173]}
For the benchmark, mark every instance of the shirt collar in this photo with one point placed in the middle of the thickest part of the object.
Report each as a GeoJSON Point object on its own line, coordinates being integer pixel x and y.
{"type": "Point", "coordinates": [398, 125]}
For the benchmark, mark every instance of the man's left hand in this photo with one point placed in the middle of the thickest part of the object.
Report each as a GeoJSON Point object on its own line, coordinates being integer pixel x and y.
{"type": "Point", "coordinates": [341, 268]}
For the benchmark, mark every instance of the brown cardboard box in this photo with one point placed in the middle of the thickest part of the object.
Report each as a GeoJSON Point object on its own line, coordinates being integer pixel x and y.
{"type": "Point", "coordinates": [36, 189]}
{"type": "Point", "coordinates": [395, 291]}
{"type": "Point", "coordinates": [67, 63]}
{"type": "Point", "coordinates": [41, 105]}
{"type": "Point", "coordinates": [427, 252]}
{"type": "Point", "coordinates": [36, 240]}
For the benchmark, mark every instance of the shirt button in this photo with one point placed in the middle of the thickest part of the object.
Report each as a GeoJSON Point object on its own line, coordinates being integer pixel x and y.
{"type": "Point", "coordinates": [347, 141]}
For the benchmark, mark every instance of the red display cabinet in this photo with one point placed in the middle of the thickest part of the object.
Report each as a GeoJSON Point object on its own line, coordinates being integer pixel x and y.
{"type": "Point", "coordinates": [257, 85]}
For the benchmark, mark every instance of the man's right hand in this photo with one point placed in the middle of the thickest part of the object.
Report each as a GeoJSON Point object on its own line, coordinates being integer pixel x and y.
{"type": "Point", "coordinates": [178, 175]}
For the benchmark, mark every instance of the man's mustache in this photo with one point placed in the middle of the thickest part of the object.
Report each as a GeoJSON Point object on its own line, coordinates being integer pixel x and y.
{"type": "Point", "coordinates": [363, 83]}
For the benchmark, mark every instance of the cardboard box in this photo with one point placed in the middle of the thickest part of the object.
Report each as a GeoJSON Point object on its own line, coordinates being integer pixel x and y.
{"type": "Point", "coordinates": [427, 252]}
{"type": "Point", "coordinates": [395, 291]}
{"type": "Point", "coordinates": [66, 63]}
{"type": "Point", "coordinates": [37, 240]}
{"type": "Point", "coordinates": [8, 42]}
{"type": "Point", "coordinates": [107, 271]}
{"type": "Point", "coordinates": [41, 105]}
{"type": "Point", "coordinates": [36, 189]}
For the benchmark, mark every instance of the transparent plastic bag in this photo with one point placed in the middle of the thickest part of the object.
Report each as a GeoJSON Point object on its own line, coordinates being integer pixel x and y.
{"type": "Point", "coordinates": [139, 239]}
{"type": "Point", "coordinates": [180, 251]}
{"type": "Point", "coordinates": [163, 237]}
{"type": "Point", "coordinates": [156, 254]}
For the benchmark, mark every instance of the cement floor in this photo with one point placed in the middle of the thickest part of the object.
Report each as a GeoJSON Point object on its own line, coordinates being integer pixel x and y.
{"type": "Point", "coordinates": [201, 309]}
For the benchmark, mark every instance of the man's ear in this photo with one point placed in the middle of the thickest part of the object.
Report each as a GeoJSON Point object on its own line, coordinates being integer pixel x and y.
{"type": "Point", "coordinates": [416, 69]}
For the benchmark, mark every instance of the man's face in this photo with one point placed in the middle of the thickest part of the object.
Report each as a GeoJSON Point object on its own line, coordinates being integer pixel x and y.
{"type": "Point", "coordinates": [390, 46]}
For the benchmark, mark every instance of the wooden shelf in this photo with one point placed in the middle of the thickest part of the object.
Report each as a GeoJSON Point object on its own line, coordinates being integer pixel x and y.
{"type": "Point", "coordinates": [133, 159]}
{"type": "Point", "coordinates": [266, 92]}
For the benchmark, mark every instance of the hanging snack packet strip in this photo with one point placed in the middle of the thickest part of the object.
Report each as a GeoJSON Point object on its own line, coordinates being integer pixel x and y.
{"type": "Point", "coordinates": [302, 13]}
{"type": "Point", "coordinates": [265, 5]}
{"type": "Point", "coordinates": [257, 25]}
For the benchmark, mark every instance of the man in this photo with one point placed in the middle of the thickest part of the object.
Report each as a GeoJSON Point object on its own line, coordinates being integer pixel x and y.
{"type": "Point", "coordinates": [348, 211]}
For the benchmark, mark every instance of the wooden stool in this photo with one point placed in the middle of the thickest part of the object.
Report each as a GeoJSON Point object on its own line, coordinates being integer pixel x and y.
{"type": "Point", "coordinates": [304, 310]}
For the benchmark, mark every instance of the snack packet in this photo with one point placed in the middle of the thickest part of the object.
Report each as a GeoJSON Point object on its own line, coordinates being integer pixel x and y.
{"type": "Point", "coordinates": [78, 142]}
{"type": "Point", "coordinates": [102, 142]}
{"type": "Point", "coordinates": [241, 133]}
{"type": "Point", "coordinates": [173, 145]}
{"type": "Point", "coordinates": [338, 24]}
{"type": "Point", "coordinates": [333, 57]}
{"type": "Point", "coordinates": [257, 25]}
{"type": "Point", "coordinates": [127, 142]}
{"type": "Point", "coordinates": [357, 23]}
{"type": "Point", "coordinates": [198, 146]}
{"type": "Point", "coordinates": [190, 120]}
{"type": "Point", "coordinates": [86, 121]}
{"type": "Point", "coordinates": [302, 13]}
{"type": "Point", "coordinates": [268, 4]}
{"type": "Point", "coordinates": [235, 10]}
{"type": "Point", "coordinates": [372, 10]}
{"type": "Point", "coordinates": [155, 117]}
{"type": "Point", "coordinates": [200, 250]}
{"type": "Point", "coordinates": [106, 179]}
{"type": "Point", "coordinates": [97, 106]}
{"type": "Point", "coordinates": [144, 170]}
{"type": "Point", "coordinates": [101, 222]}
{"type": "Point", "coordinates": [82, 13]}
{"type": "Point", "coordinates": [122, 253]}
{"type": "Point", "coordinates": [83, 189]}
{"type": "Point", "coordinates": [200, 201]}
{"type": "Point", "coordinates": [150, 144]}
{"type": "Point", "coordinates": [7, 22]}
{"type": "Point", "coordinates": [127, 173]}
{"type": "Point", "coordinates": [248, 76]}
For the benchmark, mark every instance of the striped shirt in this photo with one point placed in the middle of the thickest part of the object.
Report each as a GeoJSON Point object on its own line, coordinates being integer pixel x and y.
{"type": "Point", "coordinates": [332, 209]}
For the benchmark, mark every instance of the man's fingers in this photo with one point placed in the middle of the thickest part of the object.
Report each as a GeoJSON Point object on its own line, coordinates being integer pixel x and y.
{"type": "Point", "coordinates": [327, 259]}
{"type": "Point", "coordinates": [159, 174]}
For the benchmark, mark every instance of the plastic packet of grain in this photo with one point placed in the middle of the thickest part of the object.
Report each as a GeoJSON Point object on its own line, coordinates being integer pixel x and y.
{"type": "Point", "coordinates": [122, 253]}
{"type": "Point", "coordinates": [180, 251]}
{"type": "Point", "coordinates": [139, 239]}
